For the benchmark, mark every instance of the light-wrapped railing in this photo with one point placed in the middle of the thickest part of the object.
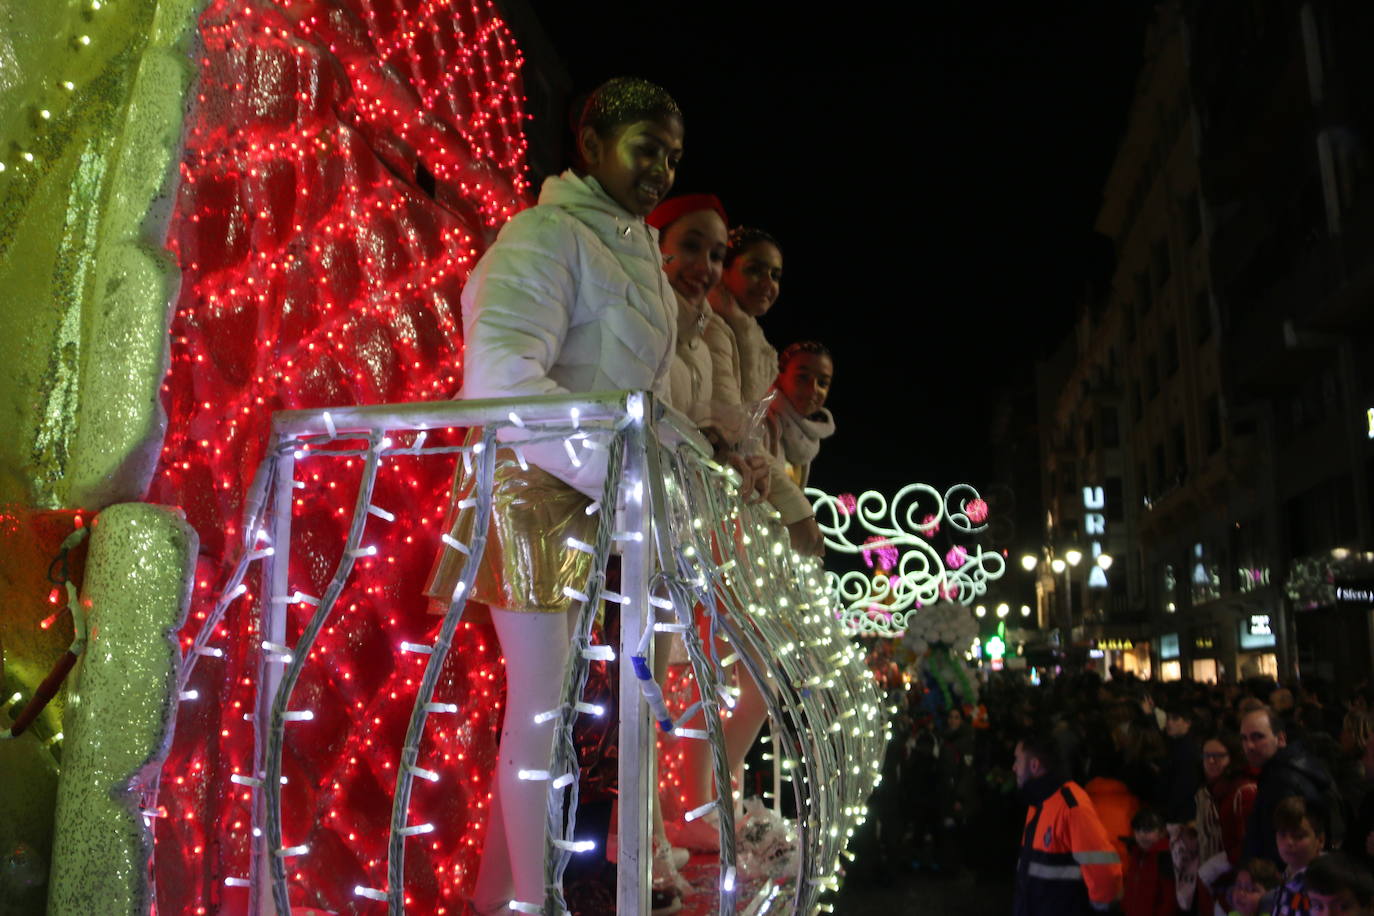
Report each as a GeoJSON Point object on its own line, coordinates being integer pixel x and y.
{"type": "Point", "coordinates": [688, 546]}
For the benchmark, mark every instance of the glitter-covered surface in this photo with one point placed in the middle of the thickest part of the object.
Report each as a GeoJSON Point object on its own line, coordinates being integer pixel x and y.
{"type": "Point", "coordinates": [90, 128]}
{"type": "Point", "coordinates": [120, 708]}
{"type": "Point", "coordinates": [345, 164]}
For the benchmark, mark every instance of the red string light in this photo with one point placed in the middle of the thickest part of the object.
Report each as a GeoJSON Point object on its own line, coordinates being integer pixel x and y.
{"type": "Point", "coordinates": [316, 271]}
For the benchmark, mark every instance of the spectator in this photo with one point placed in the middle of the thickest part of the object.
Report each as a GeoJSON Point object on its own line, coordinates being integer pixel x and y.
{"type": "Point", "coordinates": [1256, 879]}
{"type": "Point", "coordinates": [1284, 771]}
{"type": "Point", "coordinates": [1300, 834]}
{"type": "Point", "coordinates": [1223, 807]}
{"type": "Point", "coordinates": [1181, 775]}
{"type": "Point", "coordinates": [1359, 840]}
{"type": "Point", "coordinates": [1337, 886]}
{"type": "Point", "coordinates": [1149, 881]}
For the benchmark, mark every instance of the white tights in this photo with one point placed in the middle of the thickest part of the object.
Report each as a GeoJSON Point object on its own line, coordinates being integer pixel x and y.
{"type": "Point", "coordinates": [536, 648]}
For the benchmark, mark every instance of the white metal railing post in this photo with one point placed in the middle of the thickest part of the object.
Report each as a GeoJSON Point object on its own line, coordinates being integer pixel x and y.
{"type": "Point", "coordinates": [635, 818]}
{"type": "Point", "coordinates": [275, 579]}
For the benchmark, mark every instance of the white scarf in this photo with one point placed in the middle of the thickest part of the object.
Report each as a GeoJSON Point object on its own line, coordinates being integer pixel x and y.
{"type": "Point", "coordinates": [801, 436]}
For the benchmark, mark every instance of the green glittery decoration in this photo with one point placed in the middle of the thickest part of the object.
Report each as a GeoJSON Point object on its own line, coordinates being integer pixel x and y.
{"type": "Point", "coordinates": [89, 137]}
{"type": "Point", "coordinates": [120, 710]}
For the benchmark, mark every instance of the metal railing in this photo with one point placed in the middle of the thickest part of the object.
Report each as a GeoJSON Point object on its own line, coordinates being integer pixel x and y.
{"type": "Point", "coordinates": [688, 547]}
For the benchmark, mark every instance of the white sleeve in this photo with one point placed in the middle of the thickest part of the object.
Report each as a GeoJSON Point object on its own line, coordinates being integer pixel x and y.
{"type": "Point", "coordinates": [516, 309]}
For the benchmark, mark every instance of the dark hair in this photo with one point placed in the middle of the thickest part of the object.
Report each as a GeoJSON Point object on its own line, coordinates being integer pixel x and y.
{"type": "Point", "coordinates": [1335, 872]}
{"type": "Point", "coordinates": [742, 238]}
{"type": "Point", "coordinates": [1147, 819]}
{"type": "Point", "coordinates": [1276, 723]}
{"type": "Point", "coordinates": [797, 349]}
{"type": "Point", "coordinates": [624, 100]}
{"type": "Point", "coordinates": [1181, 711]}
{"type": "Point", "coordinates": [1262, 872]}
{"type": "Point", "coordinates": [1295, 809]}
{"type": "Point", "coordinates": [1040, 747]}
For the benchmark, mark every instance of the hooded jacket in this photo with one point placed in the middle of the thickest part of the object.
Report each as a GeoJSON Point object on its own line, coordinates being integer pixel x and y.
{"type": "Point", "coordinates": [749, 365]}
{"type": "Point", "coordinates": [571, 298]}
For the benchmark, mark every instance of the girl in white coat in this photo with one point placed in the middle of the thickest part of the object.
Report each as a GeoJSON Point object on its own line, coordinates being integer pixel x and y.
{"type": "Point", "coordinates": [571, 297]}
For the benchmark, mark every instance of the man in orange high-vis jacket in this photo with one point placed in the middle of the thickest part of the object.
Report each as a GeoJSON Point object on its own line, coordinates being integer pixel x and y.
{"type": "Point", "coordinates": [1068, 865]}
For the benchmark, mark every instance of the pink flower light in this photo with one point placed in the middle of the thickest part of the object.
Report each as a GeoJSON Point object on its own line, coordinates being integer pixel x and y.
{"type": "Point", "coordinates": [976, 510]}
{"type": "Point", "coordinates": [956, 557]}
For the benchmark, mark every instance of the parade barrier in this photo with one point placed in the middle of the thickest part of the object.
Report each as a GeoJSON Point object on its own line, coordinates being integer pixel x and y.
{"type": "Point", "coordinates": [690, 551]}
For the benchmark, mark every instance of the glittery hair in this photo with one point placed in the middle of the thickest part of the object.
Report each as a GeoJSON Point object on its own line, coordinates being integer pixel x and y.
{"type": "Point", "coordinates": [742, 238]}
{"type": "Point", "coordinates": [798, 348]}
{"type": "Point", "coordinates": [624, 100]}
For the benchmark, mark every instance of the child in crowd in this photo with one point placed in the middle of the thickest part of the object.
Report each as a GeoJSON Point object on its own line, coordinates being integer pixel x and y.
{"type": "Point", "coordinates": [1149, 880]}
{"type": "Point", "coordinates": [571, 298]}
{"type": "Point", "coordinates": [1338, 886]}
{"type": "Point", "coordinates": [1254, 880]}
{"type": "Point", "coordinates": [1300, 832]}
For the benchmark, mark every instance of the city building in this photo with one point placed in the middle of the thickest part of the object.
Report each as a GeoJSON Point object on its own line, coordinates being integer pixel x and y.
{"type": "Point", "coordinates": [1212, 434]}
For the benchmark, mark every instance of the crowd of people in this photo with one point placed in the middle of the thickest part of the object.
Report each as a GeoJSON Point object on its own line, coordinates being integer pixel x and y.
{"type": "Point", "coordinates": [1145, 798]}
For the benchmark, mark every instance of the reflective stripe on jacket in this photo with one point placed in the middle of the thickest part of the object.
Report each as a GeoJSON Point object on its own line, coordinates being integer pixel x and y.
{"type": "Point", "coordinates": [1068, 864]}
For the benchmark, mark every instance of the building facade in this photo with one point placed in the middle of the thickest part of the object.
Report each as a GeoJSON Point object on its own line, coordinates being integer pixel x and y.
{"type": "Point", "coordinates": [1212, 435]}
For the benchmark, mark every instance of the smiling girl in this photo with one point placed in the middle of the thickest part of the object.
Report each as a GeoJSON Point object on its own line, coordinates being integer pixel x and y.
{"type": "Point", "coordinates": [571, 297]}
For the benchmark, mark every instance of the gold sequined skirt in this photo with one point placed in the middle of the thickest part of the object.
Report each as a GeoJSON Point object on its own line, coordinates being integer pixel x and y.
{"type": "Point", "coordinates": [527, 562]}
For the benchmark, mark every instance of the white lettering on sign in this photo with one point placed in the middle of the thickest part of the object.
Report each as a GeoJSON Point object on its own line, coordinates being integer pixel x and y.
{"type": "Point", "coordinates": [1354, 594]}
{"type": "Point", "coordinates": [1260, 626]}
{"type": "Point", "coordinates": [1095, 527]}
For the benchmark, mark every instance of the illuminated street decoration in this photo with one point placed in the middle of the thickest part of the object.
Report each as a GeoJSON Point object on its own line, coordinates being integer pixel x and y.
{"type": "Point", "coordinates": [922, 575]}
{"type": "Point", "coordinates": [1095, 527]}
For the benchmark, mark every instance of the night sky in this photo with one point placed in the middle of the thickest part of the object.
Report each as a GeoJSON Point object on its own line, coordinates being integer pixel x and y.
{"type": "Point", "coordinates": [933, 171]}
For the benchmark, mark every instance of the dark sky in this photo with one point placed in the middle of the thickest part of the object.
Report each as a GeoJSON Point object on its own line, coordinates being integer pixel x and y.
{"type": "Point", "coordinates": [933, 171]}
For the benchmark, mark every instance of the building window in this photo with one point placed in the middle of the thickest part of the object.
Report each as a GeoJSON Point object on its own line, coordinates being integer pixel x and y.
{"type": "Point", "coordinates": [1204, 574]}
{"type": "Point", "coordinates": [1180, 448]}
{"type": "Point", "coordinates": [1111, 434]}
{"type": "Point", "coordinates": [1159, 263]}
{"type": "Point", "coordinates": [1202, 314]}
{"type": "Point", "coordinates": [1192, 218]}
{"type": "Point", "coordinates": [1112, 495]}
{"type": "Point", "coordinates": [1213, 421]}
{"type": "Point", "coordinates": [1159, 469]}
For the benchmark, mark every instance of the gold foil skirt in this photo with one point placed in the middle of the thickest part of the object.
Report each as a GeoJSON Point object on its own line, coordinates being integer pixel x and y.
{"type": "Point", "coordinates": [527, 562]}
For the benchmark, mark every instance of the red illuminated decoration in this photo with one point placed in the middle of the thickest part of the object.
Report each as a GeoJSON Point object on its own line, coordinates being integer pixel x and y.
{"type": "Point", "coordinates": [320, 268]}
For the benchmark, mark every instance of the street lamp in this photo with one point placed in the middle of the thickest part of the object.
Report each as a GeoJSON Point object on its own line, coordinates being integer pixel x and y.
{"type": "Point", "coordinates": [1003, 609]}
{"type": "Point", "coordinates": [1104, 560]}
{"type": "Point", "coordinates": [1029, 561]}
{"type": "Point", "coordinates": [1074, 556]}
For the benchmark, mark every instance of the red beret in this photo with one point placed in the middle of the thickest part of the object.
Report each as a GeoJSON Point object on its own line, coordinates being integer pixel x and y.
{"type": "Point", "coordinates": [673, 209]}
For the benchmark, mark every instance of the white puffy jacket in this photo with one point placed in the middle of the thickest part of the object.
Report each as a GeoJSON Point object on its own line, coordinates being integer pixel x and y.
{"type": "Point", "coordinates": [571, 297]}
